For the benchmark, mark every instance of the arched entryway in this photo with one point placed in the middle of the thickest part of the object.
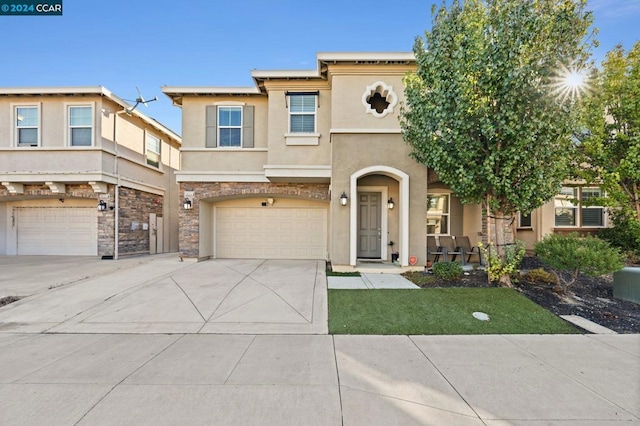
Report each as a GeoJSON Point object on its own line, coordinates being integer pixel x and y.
{"type": "Point", "coordinates": [402, 204]}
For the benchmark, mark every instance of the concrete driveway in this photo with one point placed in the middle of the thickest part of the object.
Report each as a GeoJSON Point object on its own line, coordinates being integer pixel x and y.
{"type": "Point", "coordinates": [160, 294]}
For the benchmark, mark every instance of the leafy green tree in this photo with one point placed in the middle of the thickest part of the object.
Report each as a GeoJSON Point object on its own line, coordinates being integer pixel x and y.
{"type": "Point", "coordinates": [611, 142]}
{"type": "Point", "coordinates": [481, 109]}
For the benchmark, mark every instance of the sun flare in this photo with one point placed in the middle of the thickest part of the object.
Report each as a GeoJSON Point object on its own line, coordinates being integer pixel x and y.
{"type": "Point", "coordinates": [570, 84]}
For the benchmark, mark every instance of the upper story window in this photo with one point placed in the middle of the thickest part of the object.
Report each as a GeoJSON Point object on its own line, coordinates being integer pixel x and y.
{"type": "Point", "coordinates": [302, 113]}
{"type": "Point", "coordinates": [153, 150]}
{"type": "Point", "coordinates": [80, 125]}
{"type": "Point", "coordinates": [27, 132]}
{"type": "Point", "coordinates": [229, 126]}
{"type": "Point", "coordinates": [571, 209]}
{"type": "Point", "coordinates": [438, 214]}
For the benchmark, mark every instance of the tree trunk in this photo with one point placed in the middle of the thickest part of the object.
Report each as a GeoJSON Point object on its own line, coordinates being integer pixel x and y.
{"type": "Point", "coordinates": [500, 234]}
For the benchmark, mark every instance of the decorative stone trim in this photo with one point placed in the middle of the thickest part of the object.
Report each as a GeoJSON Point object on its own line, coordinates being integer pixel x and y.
{"type": "Point", "coordinates": [385, 92]}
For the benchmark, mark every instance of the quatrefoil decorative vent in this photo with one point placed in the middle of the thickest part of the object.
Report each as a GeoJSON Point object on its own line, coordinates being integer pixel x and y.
{"type": "Point", "coordinates": [379, 99]}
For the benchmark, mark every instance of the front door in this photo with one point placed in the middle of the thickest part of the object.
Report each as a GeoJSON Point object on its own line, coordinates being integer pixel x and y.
{"type": "Point", "coordinates": [369, 225]}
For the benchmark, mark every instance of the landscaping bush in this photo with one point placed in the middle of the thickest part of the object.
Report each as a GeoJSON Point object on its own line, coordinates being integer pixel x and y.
{"type": "Point", "coordinates": [573, 254]}
{"type": "Point", "coordinates": [625, 235]}
{"type": "Point", "coordinates": [447, 270]}
{"type": "Point", "coordinates": [498, 268]}
{"type": "Point", "coordinates": [539, 275]}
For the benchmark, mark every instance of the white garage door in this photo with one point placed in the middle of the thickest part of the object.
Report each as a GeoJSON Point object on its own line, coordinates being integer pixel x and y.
{"type": "Point", "coordinates": [271, 233]}
{"type": "Point", "coordinates": [71, 231]}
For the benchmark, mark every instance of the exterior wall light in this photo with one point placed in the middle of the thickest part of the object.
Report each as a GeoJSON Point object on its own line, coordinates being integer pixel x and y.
{"type": "Point", "coordinates": [390, 203]}
{"type": "Point", "coordinates": [102, 205]}
{"type": "Point", "coordinates": [187, 205]}
{"type": "Point", "coordinates": [343, 199]}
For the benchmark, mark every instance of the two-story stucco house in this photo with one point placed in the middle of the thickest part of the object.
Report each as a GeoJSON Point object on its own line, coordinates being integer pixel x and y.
{"type": "Point", "coordinates": [310, 164]}
{"type": "Point", "coordinates": [84, 173]}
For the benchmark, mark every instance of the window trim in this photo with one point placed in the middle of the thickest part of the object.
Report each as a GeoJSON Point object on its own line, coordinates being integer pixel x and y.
{"type": "Point", "coordinates": [14, 123]}
{"type": "Point", "coordinates": [520, 225]}
{"type": "Point", "coordinates": [147, 135]}
{"type": "Point", "coordinates": [439, 215]}
{"type": "Point", "coordinates": [579, 207]}
{"type": "Point", "coordinates": [239, 127]}
{"type": "Point", "coordinates": [68, 126]}
{"type": "Point", "coordinates": [290, 132]}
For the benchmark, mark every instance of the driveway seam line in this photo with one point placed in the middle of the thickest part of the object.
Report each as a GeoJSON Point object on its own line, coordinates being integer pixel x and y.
{"type": "Point", "coordinates": [226, 296]}
{"type": "Point", "coordinates": [188, 298]}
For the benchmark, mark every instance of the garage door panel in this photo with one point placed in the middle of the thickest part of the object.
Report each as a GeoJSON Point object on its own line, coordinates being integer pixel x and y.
{"type": "Point", "coordinates": [57, 231]}
{"type": "Point", "coordinates": [275, 233]}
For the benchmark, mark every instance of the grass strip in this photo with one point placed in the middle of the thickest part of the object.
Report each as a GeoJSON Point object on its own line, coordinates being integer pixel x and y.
{"type": "Point", "coordinates": [439, 311]}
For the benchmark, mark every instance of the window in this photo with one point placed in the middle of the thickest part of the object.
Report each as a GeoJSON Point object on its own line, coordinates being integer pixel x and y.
{"type": "Point", "coordinates": [230, 126]}
{"type": "Point", "coordinates": [437, 214]}
{"type": "Point", "coordinates": [153, 151]}
{"type": "Point", "coordinates": [524, 220]}
{"type": "Point", "coordinates": [27, 123]}
{"type": "Point", "coordinates": [80, 125]}
{"type": "Point", "coordinates": [570, 210]}
{"type": "Point", "coordinates": [302, 113]}
{"type": "Point", "coordinates": [591, 215]}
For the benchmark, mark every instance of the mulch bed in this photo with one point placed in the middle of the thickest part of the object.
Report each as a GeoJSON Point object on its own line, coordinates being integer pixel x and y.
{"type": "Point", "coordinates": [589, 297]}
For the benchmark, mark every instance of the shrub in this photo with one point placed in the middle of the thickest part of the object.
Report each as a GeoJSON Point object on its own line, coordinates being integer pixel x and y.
{"type": "Point", "coordinates": [539, 275]}
{"type": "Point", "coordinates": [497, 267]}
{"type": "Point", "coordinates": [447, 270]}
{"type": "Point", "coordinates": [625, 235]}
{"type": "Point", "coordinates": [573, 254]}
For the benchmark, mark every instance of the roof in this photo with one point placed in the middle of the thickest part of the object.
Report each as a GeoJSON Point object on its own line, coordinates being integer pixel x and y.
{"type": "Point", "coordinates": [176, 93]}
{"type": "Point", "coordinates": [87, 91]}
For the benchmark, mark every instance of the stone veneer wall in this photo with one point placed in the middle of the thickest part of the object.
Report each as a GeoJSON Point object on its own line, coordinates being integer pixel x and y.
{"type": "Point", "coordinates": [135, 207]}
{"type": "Point", "coordinates": [106, 225]}
{"type": "Point", "coordinates": [189, 238]}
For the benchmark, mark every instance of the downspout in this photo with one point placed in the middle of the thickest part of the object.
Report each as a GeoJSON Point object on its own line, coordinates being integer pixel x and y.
{"type": "Point", "coordinates": [116, 226]}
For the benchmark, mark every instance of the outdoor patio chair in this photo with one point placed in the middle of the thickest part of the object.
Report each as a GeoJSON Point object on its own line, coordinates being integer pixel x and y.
{"type": "Point", "coordinates": [449, 247]}
{"type": "Point", "coordinates": [433, 249]}
{"type": "Point", "coordinates": [464, 245]}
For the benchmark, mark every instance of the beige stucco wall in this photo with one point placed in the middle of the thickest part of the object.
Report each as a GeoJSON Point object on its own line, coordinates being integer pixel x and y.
{"type": "Point", "coordinates": [194, 110]}
{"type": "Point", "coordinates": [279, 152]}
{"type": "Point", "coordinates": [354, 152]}
{"type": "Point", "coordinates": [347, 109]}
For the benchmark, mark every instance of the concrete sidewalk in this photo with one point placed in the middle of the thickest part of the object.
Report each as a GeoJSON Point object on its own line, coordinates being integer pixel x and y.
{"type": "Point", "coordinates": [370, 281]}
{"type": "Point", "coordinates": [88, 379]}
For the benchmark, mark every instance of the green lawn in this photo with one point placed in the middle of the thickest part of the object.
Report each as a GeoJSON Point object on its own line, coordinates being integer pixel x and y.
{"type": "Point", "coordinates": [439, 311]}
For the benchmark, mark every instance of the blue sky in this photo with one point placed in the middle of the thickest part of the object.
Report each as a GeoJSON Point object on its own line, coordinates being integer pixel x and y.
{"type": "Point", "coordinates": [150, 43]}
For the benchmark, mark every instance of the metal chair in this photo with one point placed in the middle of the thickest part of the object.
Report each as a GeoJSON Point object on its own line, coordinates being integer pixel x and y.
{"type": "Point", "coordinates": [449, 247]}
{"type": "Point", "coordinates": [464, 245]}
{"type": "Point", "coordinates": [433, 248]}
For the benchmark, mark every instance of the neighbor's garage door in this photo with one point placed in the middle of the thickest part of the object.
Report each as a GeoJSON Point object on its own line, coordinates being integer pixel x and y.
{"type": "Point", "coordinates": [271, 233]}
{"type": "Point", "coordinates": [57, 231]}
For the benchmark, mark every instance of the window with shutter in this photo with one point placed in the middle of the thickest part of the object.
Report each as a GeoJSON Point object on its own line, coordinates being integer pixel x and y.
{"type": "Point", "coordinates": [229, 126]}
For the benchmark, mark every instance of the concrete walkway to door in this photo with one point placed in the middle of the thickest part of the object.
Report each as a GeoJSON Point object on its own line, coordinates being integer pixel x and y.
{"type": "Point", "coordinates": [163, 295]}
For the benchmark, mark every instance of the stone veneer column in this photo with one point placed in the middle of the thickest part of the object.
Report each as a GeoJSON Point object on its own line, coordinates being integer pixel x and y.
{"type": "Point", "coordinates": [106, 223]}
{"type": "Point", "coordinates": [189, 234]}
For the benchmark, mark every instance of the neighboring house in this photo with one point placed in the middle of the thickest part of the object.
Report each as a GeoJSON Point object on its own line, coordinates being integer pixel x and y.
{"type": "Point", "coordinates": [567, 212]}
{"type": "Point", "coordinates": [81, 173]}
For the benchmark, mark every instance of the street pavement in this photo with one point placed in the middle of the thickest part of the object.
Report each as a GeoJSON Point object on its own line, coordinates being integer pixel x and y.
{"type": "Point", "coordinates": [163, 342]}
